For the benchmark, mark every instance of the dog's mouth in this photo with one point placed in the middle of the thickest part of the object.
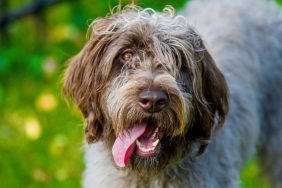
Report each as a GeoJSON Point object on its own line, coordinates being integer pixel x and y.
{"type": "Point", "coordinates": [143, 140]}
{"type": "Point", "coordinates": [148, 144]}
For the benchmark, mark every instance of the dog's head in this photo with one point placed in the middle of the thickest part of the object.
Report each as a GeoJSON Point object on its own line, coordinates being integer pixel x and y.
{"type": "Point", "coordinates": [147, 86]}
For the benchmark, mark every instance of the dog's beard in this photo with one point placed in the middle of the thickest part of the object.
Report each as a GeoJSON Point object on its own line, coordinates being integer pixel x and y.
{"type": "Point", "coordinates": [172, 146]}
{"type": "Point", "coordinates": [172, 151]}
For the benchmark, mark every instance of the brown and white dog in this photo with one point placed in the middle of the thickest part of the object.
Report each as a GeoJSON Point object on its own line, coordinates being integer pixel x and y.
{"type": "Point", "coordinates": [155, 93]}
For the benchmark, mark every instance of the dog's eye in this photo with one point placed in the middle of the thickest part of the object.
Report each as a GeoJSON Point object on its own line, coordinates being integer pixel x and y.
{"type": "Point", "coordinates": [127, 56]}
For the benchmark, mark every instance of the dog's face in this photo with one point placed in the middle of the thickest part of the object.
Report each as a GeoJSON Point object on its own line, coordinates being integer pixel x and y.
{"type": "Point", "coordinates": [147, 87]}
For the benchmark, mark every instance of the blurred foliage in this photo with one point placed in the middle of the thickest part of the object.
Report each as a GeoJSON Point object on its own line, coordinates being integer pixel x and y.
{"type": "Point", "coordinates": [41, 138]}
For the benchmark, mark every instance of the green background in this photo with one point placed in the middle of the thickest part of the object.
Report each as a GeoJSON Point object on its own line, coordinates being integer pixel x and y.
{"type": "Point", "coordinates": [41, 137]}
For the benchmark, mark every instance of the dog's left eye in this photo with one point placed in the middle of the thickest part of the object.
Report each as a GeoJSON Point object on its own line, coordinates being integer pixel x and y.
{"type": "Point", "coordinates": [127, 56]}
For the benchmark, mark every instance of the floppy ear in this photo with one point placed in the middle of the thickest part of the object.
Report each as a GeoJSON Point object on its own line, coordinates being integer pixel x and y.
{"type": "Point", "coordinates": [210, 99]}
{"type": "Point", "coordinates": [86, 77]}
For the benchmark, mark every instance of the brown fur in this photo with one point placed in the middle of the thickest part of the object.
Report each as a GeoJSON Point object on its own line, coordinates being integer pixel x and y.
{"type": "Point", "coordinates": [105, 90]}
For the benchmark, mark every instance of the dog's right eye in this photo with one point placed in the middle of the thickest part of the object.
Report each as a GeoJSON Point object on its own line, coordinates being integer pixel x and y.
{"type": "Point", "coordinates": [127, 56]}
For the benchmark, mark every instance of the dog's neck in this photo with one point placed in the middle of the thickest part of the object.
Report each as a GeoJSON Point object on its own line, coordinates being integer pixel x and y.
{"type": "Point", "coordinates": [170, 177]}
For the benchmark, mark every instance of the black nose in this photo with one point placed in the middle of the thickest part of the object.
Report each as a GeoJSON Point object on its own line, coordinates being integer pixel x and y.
{"type": "Point", "coordinates": [153, 100]}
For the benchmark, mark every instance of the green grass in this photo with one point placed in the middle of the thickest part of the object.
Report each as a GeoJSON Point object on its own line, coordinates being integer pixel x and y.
{"type": "Point", "coordinates": [252, 177]}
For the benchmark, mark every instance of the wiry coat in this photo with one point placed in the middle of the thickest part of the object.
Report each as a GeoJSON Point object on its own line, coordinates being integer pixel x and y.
{"type": "Point", "coordinates": [244, 38]}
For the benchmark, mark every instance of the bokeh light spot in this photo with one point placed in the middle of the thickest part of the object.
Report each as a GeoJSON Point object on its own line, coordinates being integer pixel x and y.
{"type": "Point", "coordinates": [49, 66]}
{"type": "Point", "coordinates": [58, 144]}
{"type": "Point", "coordinates": [60, 140]}
{"type": "Point", "coordinates": [63, 32]}
{"type": "Point", "coordinates": [32, 128]}
{"type": "Point", "coordinates": [46, 102]}
{"type": "Point", "coordinates": [62, 174]}
{"type": "Point", "coordinates": [39, 175]}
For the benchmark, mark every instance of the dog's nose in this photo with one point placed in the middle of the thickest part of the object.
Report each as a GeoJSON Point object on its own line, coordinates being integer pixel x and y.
{"type": "Point", "coordinates": [153, 100]}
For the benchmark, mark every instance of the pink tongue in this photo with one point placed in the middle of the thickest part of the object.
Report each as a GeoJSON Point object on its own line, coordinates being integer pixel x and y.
{"type": "Point", "coordinates": [125, 144]}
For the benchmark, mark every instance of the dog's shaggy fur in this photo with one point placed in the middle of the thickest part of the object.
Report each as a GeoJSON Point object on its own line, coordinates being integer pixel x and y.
{"type": "Point", "coordinates": [221, 67]}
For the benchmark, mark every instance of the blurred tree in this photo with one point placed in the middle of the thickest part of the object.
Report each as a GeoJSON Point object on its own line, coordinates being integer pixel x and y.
{"type": "Point", "coordinates": [40, 138]}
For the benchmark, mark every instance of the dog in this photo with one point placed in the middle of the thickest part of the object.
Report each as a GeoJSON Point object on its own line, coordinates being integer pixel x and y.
{"type": "Point", "coordinates": [181, 100]}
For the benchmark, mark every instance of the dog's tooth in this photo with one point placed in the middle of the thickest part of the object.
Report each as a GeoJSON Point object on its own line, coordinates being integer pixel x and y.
{"type": "Point", "coordinates": [155, 132]}
{"type": "Point", "coordinates": [143, 149]}
{"type": "Point", "coordinates": [156, 142]}
{"type": "Point", "coordinates": [138, 143]}
{"type": "Point", "coordinates": [157, 129]}
{"type": "Point", "coordinates": [146, 150]}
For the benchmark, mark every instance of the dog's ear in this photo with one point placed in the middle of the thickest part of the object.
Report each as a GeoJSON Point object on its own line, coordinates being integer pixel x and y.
{"type": "Point", "coordinates": [86, 77]}
{"type": "Point", "coordinates": [210, 99]}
